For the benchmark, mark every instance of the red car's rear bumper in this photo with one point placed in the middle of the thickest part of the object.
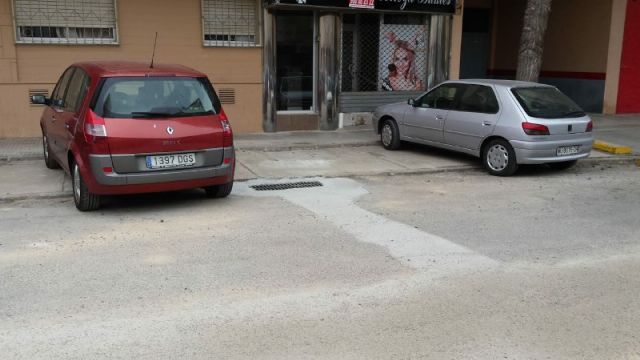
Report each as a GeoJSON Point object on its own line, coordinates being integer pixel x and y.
{"type": "Point", "coordinates": [103, 182]}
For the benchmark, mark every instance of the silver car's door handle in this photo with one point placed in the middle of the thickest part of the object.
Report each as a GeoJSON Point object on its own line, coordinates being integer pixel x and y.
{"type": "Point", "coordinates": [439, 117]}
{"type": "Point", "coordinates": [486, 123]}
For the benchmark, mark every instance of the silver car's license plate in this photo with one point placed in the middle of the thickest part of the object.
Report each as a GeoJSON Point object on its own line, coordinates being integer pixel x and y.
{"type": "Point", "coordinates": [567, 150]}
{"type": "Point", "coordinates": [170, 161]}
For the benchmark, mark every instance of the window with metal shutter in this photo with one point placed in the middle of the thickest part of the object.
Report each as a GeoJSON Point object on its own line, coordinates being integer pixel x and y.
{"type": "Point", "coordinates": [230, 22]}
{"type": "Point", "coordinates": [65, 21]}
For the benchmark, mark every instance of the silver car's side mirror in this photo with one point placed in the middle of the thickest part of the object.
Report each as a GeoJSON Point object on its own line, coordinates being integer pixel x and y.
{"type": "Point", "coordinates": [412, 102]}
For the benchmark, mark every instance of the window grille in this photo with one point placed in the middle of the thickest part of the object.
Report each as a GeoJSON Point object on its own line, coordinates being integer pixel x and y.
{"type": "Point", "coordinates": [230, 23]}
{"type": "Point", "coordinates": [65, 21]}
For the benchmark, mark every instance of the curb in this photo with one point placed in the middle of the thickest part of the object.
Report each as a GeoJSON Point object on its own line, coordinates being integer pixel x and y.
{"type": "Point", "coordinates": [8, 159]}
{"type": "Point", "coordinates": [9, 199]}
{"type": "Point", "coordinates": [305, 147]}
{"type": "Point", "coordinates": [612, 148]}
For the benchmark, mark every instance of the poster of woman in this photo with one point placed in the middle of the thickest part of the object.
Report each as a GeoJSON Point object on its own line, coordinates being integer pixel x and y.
{"type": "Point", "coordinates": [403, 57]}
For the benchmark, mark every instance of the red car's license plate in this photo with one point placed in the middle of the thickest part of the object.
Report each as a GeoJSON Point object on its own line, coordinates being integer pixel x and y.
{"type": "Point", "coordinates": [170, 160]}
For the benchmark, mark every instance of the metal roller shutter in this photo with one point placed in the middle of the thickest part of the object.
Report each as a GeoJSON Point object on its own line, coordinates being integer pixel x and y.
{"type": "Point", "coordinates": [230, 22]}
{"type": "Point", "coordinates": [65, 21]}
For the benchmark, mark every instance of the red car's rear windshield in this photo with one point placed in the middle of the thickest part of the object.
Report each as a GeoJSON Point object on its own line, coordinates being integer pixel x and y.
{"type": "Point", "coordinates": [146, 97]}
{"type": "Point", "coordinates": [547, 103]}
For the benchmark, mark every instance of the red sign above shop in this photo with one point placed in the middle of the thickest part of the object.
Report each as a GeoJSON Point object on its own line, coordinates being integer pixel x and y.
{"type": "Point", "coordinates": [362, 4]}
{"type": "Point", "coordinates": [425, 6]}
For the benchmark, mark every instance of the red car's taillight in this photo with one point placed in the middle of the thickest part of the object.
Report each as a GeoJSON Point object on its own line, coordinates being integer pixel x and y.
{"type": "Point", "coordinates": [590, 126]}
{"type": "Point", "coordinates": [227, 132]}
{"type": "Point", "coordinates": [534, 129]}
{"type": "Point", "coordinates": [95, 133]}
{"type": "Point", "coordinates": [94, 127]}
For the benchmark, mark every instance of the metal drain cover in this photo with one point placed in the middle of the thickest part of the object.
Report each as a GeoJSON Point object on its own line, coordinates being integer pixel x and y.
{"type": "Point", "coordinates": [285, 186]}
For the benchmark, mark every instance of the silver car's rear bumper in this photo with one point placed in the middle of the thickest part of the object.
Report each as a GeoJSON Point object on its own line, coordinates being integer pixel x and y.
{"type": "Point", "coordinates": [540, 152]}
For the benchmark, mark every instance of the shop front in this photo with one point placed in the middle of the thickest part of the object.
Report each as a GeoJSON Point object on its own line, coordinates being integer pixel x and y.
{"type": "Point", "coordinates": [326, 62]}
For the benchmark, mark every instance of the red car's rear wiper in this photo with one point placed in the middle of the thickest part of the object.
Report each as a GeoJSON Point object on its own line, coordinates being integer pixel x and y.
{"type": "Point", "coordinates": [151, 114]}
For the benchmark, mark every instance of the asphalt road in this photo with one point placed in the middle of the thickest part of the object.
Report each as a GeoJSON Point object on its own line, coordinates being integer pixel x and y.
{"type": "Point", "coordinates": [456, 265]}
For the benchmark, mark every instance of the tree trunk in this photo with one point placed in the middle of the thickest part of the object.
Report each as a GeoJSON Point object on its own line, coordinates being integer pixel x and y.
{"type": "Point", "coordinates": [532, 39]}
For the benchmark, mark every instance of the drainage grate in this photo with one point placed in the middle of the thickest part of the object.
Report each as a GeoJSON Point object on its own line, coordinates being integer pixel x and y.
{"type": "Point", "coordinates": [285, 186]}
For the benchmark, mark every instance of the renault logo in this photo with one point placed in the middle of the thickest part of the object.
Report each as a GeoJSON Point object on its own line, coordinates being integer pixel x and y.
{"type": "Point", "coordinates": [170, 130]}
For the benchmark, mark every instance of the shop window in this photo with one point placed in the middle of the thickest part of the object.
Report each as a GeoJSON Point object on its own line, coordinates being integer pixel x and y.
{"type": "Point", "coordinates": [230, 23]}
{"type": "Point", "coordinates": [65, 21]}
{"type": "Point", "coordinates": [384, 52]}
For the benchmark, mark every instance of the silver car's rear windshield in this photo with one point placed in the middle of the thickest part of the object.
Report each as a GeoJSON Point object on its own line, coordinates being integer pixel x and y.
{"type": "Point", "coordinates": [547, 103]}
{"type": "Point", "coordinates": [146, 97]}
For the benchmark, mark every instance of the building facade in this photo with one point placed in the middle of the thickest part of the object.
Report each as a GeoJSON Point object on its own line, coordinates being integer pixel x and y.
{"type": "Point", "coordinates": [590, 53]}
{"type": "Point", "coordinates": [316, 64]}
{"type": "Point", "coordinates": [277, 65]}
{"type": "Point", "coordinates": [40, 38]}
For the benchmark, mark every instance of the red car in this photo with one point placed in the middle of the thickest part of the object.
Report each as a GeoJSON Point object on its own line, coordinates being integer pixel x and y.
{"type": "Point", "coordinates": [124, 127]}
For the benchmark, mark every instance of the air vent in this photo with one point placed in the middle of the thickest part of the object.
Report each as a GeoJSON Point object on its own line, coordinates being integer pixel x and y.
{"type": "Point", "coordinates": [227, 96]}
{"type": "Point", "coordinates": [286, 186]}
{"type": "Point", "coordinates": [33, 92]}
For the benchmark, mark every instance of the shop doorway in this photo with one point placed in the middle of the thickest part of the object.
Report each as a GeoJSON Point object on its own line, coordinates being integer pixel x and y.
{"type": "Point", "coordinates": [294, 61]}
{"type": "Point", "coordinates": [295, 93]}
{"type": "Point", "coordinates": [476, 43]}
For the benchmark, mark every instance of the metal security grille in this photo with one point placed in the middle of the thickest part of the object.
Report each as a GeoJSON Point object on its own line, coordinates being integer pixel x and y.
{"type": "Point", "coordinates": [384, 52]}
{"type": "Point", "coordinates": [230, 22]}
{"type": "Point", "coordinates": [286, 186]}
{"type": "Point", "coordinates": [65, 21]}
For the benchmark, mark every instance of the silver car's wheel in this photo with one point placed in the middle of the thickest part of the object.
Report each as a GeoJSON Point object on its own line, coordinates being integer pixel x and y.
{"type": "Point", "coordinates": [390, 135]}
{"type": "Point", "coordinates": [387, 134]}
{"type": "Point", "coordinates": [499, 158]}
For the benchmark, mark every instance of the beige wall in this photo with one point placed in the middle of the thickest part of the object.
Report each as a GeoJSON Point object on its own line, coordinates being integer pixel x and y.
{"type": "Point", "coordinates": [616, 38]}
{"type": "Point", "coordinates": [24, 67]}
{"type": "Point", "coordinates": [577, 38]}
{"type": "Point", "coordinates": [456, 41]}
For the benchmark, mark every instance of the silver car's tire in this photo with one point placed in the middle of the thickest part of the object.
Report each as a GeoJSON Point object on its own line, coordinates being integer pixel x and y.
{"type": "Point", "coordinates": [499, 158]}
{"type": "Point", "coordinates": [390, 135]}
{"type": "Point", "coordinates": [49, 162]}
{"type": "Point", "coordinates": [84, 200]}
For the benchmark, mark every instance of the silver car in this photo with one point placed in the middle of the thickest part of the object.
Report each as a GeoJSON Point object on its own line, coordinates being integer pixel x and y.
{"type": "Point", "coordinates": [505, 123]}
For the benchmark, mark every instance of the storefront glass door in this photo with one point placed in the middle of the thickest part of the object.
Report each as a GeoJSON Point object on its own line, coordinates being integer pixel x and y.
{"type": "Point", "coordinates": [294, 61]}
